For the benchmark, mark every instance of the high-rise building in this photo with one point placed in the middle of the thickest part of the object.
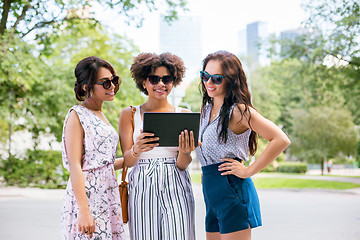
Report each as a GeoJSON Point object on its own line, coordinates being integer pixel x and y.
{"type": "Point", "coordinates": [257, 41]}
{"type": "Point", "coordinates": [183, 38]}
{"type": "Point", "coordinates": [289, 35]}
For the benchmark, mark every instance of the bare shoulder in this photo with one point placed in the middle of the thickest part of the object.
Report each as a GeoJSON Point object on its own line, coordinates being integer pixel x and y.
{"type": "Point", "coordinates": [73, 123]}
{"type": "Point", "coordinates": [73, 118]}
{"type": "Point", "coordinates": [240, 110]}
{"type": "Point", "coordinates": [126, 113]}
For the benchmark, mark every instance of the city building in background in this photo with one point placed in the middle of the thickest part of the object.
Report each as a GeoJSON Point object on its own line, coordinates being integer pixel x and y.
{"type": "Point", "coordinates": [257, 42]}
{"type": "Point", "coordinates": [289, 35]}
{"type": "Point", "coordinates": [182, 38]}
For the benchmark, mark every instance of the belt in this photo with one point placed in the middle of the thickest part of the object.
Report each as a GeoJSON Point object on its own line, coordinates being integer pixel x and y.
{"type": "Point", "coordinates": [159, 164]}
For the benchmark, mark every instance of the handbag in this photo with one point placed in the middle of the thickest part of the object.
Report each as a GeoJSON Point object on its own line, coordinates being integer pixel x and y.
{"type": "Point", "coordinates": [124, 195]}
{"type": "Point", "coordinates": [124, 186]}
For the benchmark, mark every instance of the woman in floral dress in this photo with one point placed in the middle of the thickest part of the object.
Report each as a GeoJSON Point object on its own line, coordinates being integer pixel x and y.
{"type": "Point", "coordinates": [91, 207]}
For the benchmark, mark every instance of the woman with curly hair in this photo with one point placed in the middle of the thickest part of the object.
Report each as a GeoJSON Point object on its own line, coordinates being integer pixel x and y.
{"type": "Point", "coordinates": [228, 130]}
{"type": "Point", "coordinates": [161, 202]}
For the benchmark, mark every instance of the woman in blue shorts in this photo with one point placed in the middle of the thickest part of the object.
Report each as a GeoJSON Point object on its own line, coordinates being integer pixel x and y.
{"type": "Point", "coordinates": [228, 130]}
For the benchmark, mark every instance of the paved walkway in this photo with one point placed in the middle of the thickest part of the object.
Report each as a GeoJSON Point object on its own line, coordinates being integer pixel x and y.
{"type": "Point", "coordinates": [34, 214]}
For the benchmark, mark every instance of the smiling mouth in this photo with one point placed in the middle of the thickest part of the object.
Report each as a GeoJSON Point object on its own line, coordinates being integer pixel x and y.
{"type": "Point", "coordinates": [110, 93]}
{"type": "Point", "coordinates": [160, 91]}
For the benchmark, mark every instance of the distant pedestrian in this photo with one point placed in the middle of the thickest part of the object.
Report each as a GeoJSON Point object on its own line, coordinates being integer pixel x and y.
{"type": "Point", "coordinates": [228, 129]}
{"type": "Point", "coordinates": [92, 202]}
{"type": "Point", "coordinates": [329, 165]}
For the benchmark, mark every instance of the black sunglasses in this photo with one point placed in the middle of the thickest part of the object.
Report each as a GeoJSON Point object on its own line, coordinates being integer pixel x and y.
{"type": "Point", "coordinates": [107, 82]}
{"type": "Point", "coordinates": [167, 79]}
{"type": "Point", "coordinates": [216, 79]}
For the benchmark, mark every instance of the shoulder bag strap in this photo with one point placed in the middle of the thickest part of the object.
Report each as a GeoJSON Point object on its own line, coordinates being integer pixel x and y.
{"type": "Point", "coordinates": [125, 168]}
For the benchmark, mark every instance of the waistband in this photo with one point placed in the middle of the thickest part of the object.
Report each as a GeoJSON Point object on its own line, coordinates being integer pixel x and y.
{"type": "Point", "coordinates": [92, 169]}
{"type": "Point", "coordinates": [167, 160]}
{"type": "Point", "coordinates": [212, 168]}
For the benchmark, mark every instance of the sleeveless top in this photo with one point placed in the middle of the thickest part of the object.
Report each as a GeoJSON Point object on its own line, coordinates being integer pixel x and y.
{"type": "Point", "coordinates": [157, 151]}
{"type": "Point", "coordinates": [100, 140]}
{"type": "Point", "coordinates": [212, 150]}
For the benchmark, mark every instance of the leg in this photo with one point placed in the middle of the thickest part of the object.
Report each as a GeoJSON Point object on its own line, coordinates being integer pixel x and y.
{"type": "Point", "coordinates": [178, 206]}
{"type": "Point", "coordinates": [239, 235]}
{"type": "Point", "coordinates": [144, 212]}
{"type": "Point", "coordinates": [213, 236]}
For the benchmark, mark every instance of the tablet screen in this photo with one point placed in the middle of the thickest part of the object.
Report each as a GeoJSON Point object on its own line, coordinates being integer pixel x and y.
{"type": "Point", "coordinates": [168, 126]}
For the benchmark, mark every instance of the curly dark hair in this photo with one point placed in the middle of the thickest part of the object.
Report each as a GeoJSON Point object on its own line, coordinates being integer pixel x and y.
{"type": "Point", "coordinates": [145, 64]}
{"type": "Point", "coordinates": [86, 73]}
{"type": "Point", "coordinates": [237, 92]}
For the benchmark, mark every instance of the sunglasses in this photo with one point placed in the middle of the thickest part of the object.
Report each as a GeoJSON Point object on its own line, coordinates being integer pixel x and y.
{"type": "Point", "coordinates": [154, 79]}
{"type": "Point", "coordinates": [107, 82]}
{"type": "Point", "coordinates": [216, 79]}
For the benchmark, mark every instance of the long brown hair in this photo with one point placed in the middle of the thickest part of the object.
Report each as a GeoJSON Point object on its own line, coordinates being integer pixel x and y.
{"type": "Point", "coordinates": [237, 92]}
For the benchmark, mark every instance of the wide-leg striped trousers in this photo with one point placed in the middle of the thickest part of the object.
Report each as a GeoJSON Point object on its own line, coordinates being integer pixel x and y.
{"type": "Point", "coordinates": [161, 201]}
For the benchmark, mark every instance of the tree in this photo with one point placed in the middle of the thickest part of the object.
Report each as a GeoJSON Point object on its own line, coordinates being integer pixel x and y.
{"type": "Point", "coordinates": [82, 38]}
{"type": "Point", "coordinates": [193, 95]}
{"type": "Point", "coordinates": [323, 132]}
{"type": "Point", "coordinates": [331, 40]}
{"type": "Point", "coordinates": [26, 16]}
{"type": "Point", "coordinates": [266, 92]}
{"type": "Point", "coordinates": [30, 74]}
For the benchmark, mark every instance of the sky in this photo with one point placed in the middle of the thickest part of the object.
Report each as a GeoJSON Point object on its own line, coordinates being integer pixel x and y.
{"type": "Point", "coordinates": [221, 22]}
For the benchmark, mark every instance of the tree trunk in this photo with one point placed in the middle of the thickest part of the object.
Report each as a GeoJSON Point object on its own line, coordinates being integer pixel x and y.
{"type": "Point", "coordinates": [10, 132]}
{"type": "Point", "coordinates": [323, 161]}
{"type": "Point", "coordinates": [4, 15]}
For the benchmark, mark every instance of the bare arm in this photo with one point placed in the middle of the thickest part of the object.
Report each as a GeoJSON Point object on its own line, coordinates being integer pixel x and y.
{"type": "Point", "coordinates": [186, 146]}
{"type": "Point", "coordinates": [118, 163]}
{"type": "Point", "coordinates": [74, 135]}
{"type": "Point", "coordinates": [126, 131]}
{"type": "Point", "coordinates": [278, 142]}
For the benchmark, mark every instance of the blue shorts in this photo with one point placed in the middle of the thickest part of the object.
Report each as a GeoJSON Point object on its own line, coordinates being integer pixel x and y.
{"type": "Point", "coordinates": [232, 203]}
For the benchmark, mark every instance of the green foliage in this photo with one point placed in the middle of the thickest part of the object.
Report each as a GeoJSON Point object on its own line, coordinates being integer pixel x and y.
{"type": "Point", "coordinates": [29, 89]}
{"type": "Point", "coordinates": [323, 132]}
{"type": "Point", "coordinates": [39, 168]}
{"type": "Point", "coordinates": [40, 44]}
{"type": "Point", "coordinates": [265, 92]}
{"type": "Point", "coordinates": [25, 16]}
{"type": "Point", "coordinates": [292, 167]}
{"type": "Point", "coordinates": [87, 38]}
{"type": "Point", "coordinates": [339, 23]}
{"type": "Point", "coordinates": [193, 95]}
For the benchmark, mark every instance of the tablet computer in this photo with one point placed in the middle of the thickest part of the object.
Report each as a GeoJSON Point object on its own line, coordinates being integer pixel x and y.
{"type": "Point", "coordinates": [168, 126]}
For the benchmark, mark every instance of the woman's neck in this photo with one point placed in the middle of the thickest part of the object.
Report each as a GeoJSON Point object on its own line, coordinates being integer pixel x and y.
{"type": "Point", "coordinates": [218, 102]}
{"type": "Point", "coordinates": [92, 104]}
{"type": "Point", "coordinates": [155, 105]}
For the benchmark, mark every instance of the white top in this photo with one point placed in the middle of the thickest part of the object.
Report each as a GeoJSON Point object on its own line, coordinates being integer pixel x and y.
{"type": "Point", "coordinates": [157, 152]}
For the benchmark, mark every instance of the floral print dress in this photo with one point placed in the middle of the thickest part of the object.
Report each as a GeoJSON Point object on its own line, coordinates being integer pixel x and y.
{"type": "Point", "coordinates": [99, 152]}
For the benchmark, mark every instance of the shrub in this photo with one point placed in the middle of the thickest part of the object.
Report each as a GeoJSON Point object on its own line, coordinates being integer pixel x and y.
{"type": "Point", "coordinates": [39, 168]}
{"type": "Point", "coordinates": [292, 167]}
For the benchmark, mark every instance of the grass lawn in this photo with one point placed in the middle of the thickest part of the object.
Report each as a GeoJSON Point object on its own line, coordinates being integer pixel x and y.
{"type": "Point", "coordinates": [291, 183]}
{"type": "Point", "coordinates": [295, 183]}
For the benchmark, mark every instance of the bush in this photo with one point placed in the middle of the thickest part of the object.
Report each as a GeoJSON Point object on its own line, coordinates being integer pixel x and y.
{"type": "Point", "coordinates": [269, 168]}
{"type": "Point", "coordinates": [39, 168]}
{"type": "Point", "coordinates": [292, 167]}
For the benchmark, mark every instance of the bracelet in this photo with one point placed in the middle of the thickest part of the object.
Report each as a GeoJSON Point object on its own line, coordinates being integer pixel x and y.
{"type": "Point", "coordinates": [132, 152]}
